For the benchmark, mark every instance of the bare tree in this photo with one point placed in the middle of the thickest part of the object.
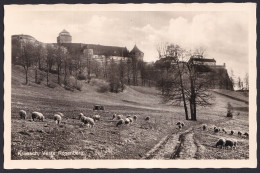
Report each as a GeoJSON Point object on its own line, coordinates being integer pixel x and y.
{"type": "Point", "coordinates": [27, 57]}
{"type": "Point", "coordinates": [246, 81]}
{"type": "Point", "coordinates": [51, 54]}
{"type": "Point", "coordinates": [239, 83]}
{"type": "Point", "coordinates": [61, 53]}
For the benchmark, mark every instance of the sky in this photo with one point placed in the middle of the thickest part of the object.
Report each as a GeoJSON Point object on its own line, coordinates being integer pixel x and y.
{"type": "Point", "coordinates": [224, 34]}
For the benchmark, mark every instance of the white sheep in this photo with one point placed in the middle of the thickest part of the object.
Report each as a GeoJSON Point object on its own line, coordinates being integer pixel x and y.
{"type": "Point", "coordinates": [131, 119]}
{"type": "Point", "coordinates": [90, 121]}
{"type": "Point", "coordinates": [118, 117]}
{"type": "Point", "coordinates": [221, 142]}
{"type": "Point", "coordinates": [96, 117]}
{"type": "Point", "coordinates": [37, 115]}
{"type": "Point", "coordinates": [127, 121]}
{"type": "Point", "coordinates": [120, 122]}
{"type": "Point", "coordinates": [57, 118]}
{"type": "Point", "coordinates": [61, 114]}
{"type": "Point", "coordinates": [22, 114]}
{"type": "Point", "coordinates": [81, 116]}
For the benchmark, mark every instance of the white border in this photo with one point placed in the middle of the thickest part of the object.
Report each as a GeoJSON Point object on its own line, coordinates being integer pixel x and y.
{"type": "Point", "coordinates": [24, 164]}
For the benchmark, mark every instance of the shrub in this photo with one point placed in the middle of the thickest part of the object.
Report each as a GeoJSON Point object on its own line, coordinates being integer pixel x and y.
{"type": "Point", "coordinates": [82, 77]}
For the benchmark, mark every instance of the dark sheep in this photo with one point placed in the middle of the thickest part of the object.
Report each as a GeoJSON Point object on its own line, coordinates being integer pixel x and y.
{"type": "Point", "coordinates": [239, 133]}
{"type": "Point", "coordinates": [224, 130]}
{"type": "Point", "coordinates": [147, 118]}
{"type": "Point", "coordinates": [231, 143]}
{"type": "Point", "coordinates": [182, 124]}
{"type": "Point", "coordinates": [232, 132]}
{"type": "Point", "coordinates": [135, 117]}
{"type": "Point", "coordinates": [246, 134]}
{"type": "Point", "coordinates": [221, 142]}
{"type": "Point", "coordinates": [204, 127]}
{"type": "Point", "coordinates": [178, 123]}
{"type": "Point", "coordinates": [22, 114]}
{"type": "Point", "coordinates": [120, 122]}
{"type": "Point", "coordinates": [216, 130]}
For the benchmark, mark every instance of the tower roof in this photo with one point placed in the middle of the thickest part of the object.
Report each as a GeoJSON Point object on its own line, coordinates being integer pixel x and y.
{"type": "Point", "coordinates": [64, 32]}
{"type": "Point", "coordinates": [135, 50]}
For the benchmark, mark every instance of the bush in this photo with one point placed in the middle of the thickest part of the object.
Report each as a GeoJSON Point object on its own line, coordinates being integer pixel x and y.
{"type": "Point", "coordinates": [101, 85]}
{"type": "Point", "coordinates": [103, 89]}
{"type": "Point", "coordinates": [82, 77]}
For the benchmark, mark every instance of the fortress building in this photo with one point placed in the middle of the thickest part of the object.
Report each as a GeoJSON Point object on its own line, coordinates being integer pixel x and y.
{"type": "Point", "coordinates": [64, 37]}
{"type": "Point", "coordinates": [98, 52]}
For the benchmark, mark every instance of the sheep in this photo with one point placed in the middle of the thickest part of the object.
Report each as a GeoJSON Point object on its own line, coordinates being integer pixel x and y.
{"type": "Point", "coordinates": [22, 114]}
{"type": "Point", "coordinates": [224, 130]}
{"type": "Point", "coordinates": [221, 142]}
{"type": "Point", "coordinates": [232, 132]}
{"type": "Point", "coordinates": [178, 123]}
{"type": "Point", "coordinates": [120, 122]}
{"type": "Point", "coordinates": [37, 115]}
{"type": "Point", "coordinates": [81, 116]}
{"type": "Point", "coordinates": [127, 121]}
{"type": "Point", "coordinates": [135, 117]}
{"type": "Point", "coordinates": [230, 143]}
{"type": "Point", "coordinates": [61, 114]}
{"type": "Point", "coordinates": [182, 124]}
{"type": "Point", "coordinates": [246, 134]}
{"type": "Point", "coordinates": [57, 118]}
{"type": "Point", "coordinates": [147, 118]}
{"type": "Point", "coordinates": [239, 133]}
{"type": "Point", "coordinates": [96, 117]}
{"type": "Point", "coordinates": [89, 121]}
{"type": "Point", "coordinates": [179, 126]}
{"type": "Point", "coordinates": [216, 130]}
{"type": "Point", "coordinates": [204, 126]}
{"type": "Point", "coordinates": [131, 119]}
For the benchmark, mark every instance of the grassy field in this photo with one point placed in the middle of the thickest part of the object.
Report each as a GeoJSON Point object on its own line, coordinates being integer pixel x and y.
{"type": "Point", "coordinates": [158, 138]}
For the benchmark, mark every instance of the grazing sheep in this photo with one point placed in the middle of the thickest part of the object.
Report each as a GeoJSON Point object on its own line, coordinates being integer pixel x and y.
{"type": "Point", "coordinates": [114, 116]}
{"type": "Point", "coordinates": [131, 120]}
{"type": "Point", "coordinates": [230, 143]}
{"type": "Point", "coordinates": [22, 114]}
{"type": "Point", "coordinates": [120, 122]}
{"type": "Point", "coordinates": [147, 118]}
{"type": "Point", "coordinates": [127, 121]}
{"type": "Point", "coordinates": [61, 114]}
{"type": "Point", "coordinates": [119, 117]}
{"type": "Point", "coordinates": [182, 124]}
{"type": "Point", "coordinates": [57, 118]}
{"type": "Point", "coordinates": [221, 142]}
{"type": "Point", "coordinates": [89, 121]}
{"type": "Point", "coordinates": [246, 134]}
{"type": "Point", "coordinates": [37, 115]}
{"type": "Point", "coordinates": [232, 132]}
{"type": "Point", "coordinates": [216, 130]}
{"type": "Point", "coordinates": [81, 116]}
{"type": "Point", "coordinates": [96, 117]}
{"type": "Point", "coordinates": [239, 133]}
{"type": "Point", "coordinates": [135, 117]}
{"type": "Point", "coordinates": [224, 130]}
{"type": "Point", "coordinates": [204, 126]}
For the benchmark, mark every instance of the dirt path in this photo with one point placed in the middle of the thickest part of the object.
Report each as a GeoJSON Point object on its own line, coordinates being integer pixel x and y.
{"type": "Point", "coordinates": [181, 145]}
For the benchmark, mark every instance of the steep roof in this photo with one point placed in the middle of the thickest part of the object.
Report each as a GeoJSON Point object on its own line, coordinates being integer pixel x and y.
{"type": "Point", "coordinates": [135, 50]}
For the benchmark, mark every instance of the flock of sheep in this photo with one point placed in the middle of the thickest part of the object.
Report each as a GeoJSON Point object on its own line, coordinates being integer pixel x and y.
{"type": "Point", "coordinates": [89, 121]}
{"type": "Point", "coordinates": [226, 143]}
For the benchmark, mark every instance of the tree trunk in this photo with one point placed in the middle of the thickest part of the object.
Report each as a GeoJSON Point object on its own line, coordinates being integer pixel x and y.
{"type": "Point", "coordinates": [182, 93]}
{"type": "Point", "coordinates": [59, 74]}
{"type": "Point", "coordinates": [26, 76]}
{"type": "Point", "coordinates": [36, 76]}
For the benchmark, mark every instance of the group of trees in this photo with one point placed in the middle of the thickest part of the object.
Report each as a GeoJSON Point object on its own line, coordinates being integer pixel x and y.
{"type": "Point", "coordinates": [183, 82]}
{"type": "Point", "coordinates": [243, 84]}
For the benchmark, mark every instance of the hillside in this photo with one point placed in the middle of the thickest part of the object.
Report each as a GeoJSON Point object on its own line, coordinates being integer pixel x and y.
{"type": "Point", "coordinates": [158, 138]}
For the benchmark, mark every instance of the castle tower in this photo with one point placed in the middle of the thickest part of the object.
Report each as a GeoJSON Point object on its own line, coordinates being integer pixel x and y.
{"type": "Point", "coordinates": [64, 37]}
{"type": "Point", "coordinates": [136, 53]}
